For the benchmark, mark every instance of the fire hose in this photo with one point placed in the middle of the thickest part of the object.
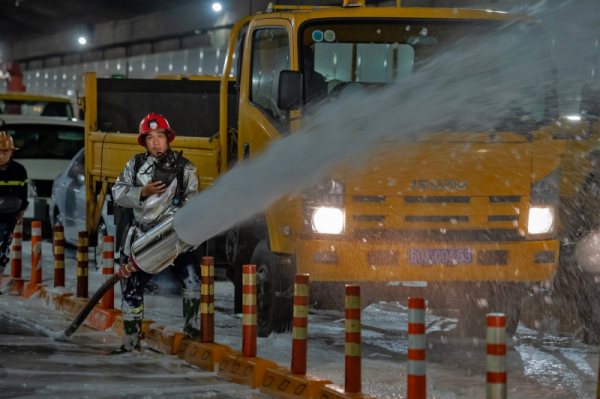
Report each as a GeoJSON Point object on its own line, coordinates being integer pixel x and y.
{"type": "Point", "coordinates": [152, 252]}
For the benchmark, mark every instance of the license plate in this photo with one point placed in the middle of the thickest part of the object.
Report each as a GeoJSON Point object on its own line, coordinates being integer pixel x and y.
{"type": "Point", "coordinates": [439, 256]}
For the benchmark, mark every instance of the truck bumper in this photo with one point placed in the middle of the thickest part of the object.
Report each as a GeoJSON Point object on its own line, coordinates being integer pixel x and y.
{"type": "Point", "coordinates": [357, 261]}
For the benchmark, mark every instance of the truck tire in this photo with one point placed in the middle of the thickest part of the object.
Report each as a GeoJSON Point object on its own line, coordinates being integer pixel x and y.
{"type": "Point", "coordinates": [500, 299]}
{"type": "Point", "coordinates": [580, 288]}
{"type": "Point", "coordinates": [274, 312]}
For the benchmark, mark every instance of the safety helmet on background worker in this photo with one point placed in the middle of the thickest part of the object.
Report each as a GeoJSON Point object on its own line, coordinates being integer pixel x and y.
{"type": "Point", "coordinates": [154, 122]}
{"type": "Point", "coordinates": [6, 142]}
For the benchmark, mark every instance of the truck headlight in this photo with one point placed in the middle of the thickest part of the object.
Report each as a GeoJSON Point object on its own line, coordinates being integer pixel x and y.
{"type": "Point", "coordinates": [328, 220]}
{"type": "Point", "coordinates": [541, 220]}
{"type": "Point", "coordinates": [323, 208]}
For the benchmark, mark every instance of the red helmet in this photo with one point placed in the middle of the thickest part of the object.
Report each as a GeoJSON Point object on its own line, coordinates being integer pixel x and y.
{"type": "Point", "coordinates": [152, 122]}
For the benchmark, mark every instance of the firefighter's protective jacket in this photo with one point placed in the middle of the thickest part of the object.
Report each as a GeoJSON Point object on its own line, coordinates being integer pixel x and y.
{"type": "Point", "coordinates": [148, 212]}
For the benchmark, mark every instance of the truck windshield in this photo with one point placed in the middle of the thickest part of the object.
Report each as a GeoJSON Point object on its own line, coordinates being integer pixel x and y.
{"type": "Point", "coordinates": [46, 141]}
{"type": "Point", "coordinates": [36, 108]}
{"type": "Point", "coordinates": [344, 57]}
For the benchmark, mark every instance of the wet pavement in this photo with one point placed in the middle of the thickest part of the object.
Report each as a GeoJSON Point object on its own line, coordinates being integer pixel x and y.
{"type": "Point", "coordinates": [35, 366]}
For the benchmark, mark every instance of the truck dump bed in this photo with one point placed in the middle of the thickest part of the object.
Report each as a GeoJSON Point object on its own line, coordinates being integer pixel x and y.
{"type": "Point", "coordinates": [190, 106]}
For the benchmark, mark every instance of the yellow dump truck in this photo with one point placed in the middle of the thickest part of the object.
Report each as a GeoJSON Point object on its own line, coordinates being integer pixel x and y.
{"type": "Point", "coordinates": [472, 234]}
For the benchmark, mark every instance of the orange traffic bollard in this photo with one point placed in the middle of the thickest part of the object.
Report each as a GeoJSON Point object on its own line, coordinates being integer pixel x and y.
{"type": "Point", "coordinates": [36, 261]}
{"type": "Point", "coordinates": [285, 383]}
{"type": "Point", "coordinates": [245, 368]}
{"type": "Point", "coordinates": [82, 265]}
{"type": "Point", "coordinates": [353, 386]}
{"type": "Point", "coordinates": [417, 382]}
{"type": "Point", "coordinates": [496, 356]}
{"type": "Point", "coordinates": [36, 252]}
{"type": "Point", "coordinates": [59, 256]}
{"type": "Point", "coordinates": [205, 354]}
{"type": "Point", "coordinates": [249, 311]}
{"type": "Point", "coordinates": [108, 269]}
{"type": "Point", "coordinates": [14, 280]}
{"type": "Point", "coordinates": [598, 388]}
{"type": "Point", "coordinates": [17, 248]}
{"type": "Point", "coordinates": [300, 324]}
{"type": "Point", "coordinates": [353, 364]}
{"type": "Point", "coordinates": [207, 300]}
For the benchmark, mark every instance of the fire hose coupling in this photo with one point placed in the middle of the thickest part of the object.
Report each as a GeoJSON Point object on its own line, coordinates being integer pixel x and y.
{"type": "Point", "coordinates": [127, 269]}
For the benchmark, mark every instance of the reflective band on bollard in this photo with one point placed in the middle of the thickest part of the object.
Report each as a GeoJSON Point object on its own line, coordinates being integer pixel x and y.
{"type": "Point", "coordinates": [417, 380]}
{"type": "Point", "coordinates": [207, 300]}
{"type": "Point", "coordinates": [16, 263]}
{"type": "Point", "coordinates": [108, 269]}
{"type": "Point", "coordinates": [59, 256]}
{"type": "Point", "coordinates": [353, 347]}
{"type": "Point", "coordinates": [598, 388]}
{"type": "Point", "coordinates": [249, 311]}
{"type": "Point", "coordinates": [300, 324]}
{"type": "Point", "coordinates": [496, 356]}
{"type": "Point", "coordinates": [36, 252]}
{"type": "Point", "coordinates": [82, 265]}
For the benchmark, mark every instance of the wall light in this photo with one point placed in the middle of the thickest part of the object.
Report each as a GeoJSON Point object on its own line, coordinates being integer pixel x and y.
{"type": "Point", "coordinates": [82, 40]}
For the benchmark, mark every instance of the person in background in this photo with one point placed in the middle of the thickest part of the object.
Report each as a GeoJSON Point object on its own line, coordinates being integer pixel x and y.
{"type": "Point", "coordinates": [13, 183]}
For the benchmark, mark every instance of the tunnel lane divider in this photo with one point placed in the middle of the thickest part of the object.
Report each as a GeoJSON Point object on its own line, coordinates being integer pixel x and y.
{"type": "Point", "coordinates": [104, 315]}
{"type": "Point", "coordinates": [15, 279]}
{"type": "Point", "coordinates": [416, 387]}
{"type": "Point", "coordinates": [205, 353]}
{"type": "Point", "coordinates": [352, 388]}
{"type": "Point", "coordinates": [35, 284]}
{"type": "Point", "coordinates": [282, 382]}
{"type": "Point", "coordinates": [244, 367]}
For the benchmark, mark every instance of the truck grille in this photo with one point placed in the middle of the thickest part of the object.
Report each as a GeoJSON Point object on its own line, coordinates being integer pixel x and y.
{"type": "Point", "coordinates": [448, 236]}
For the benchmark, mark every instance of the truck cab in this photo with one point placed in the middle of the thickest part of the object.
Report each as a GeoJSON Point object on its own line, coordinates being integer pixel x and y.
{"type": "Point", "coordinates": [463, 218]}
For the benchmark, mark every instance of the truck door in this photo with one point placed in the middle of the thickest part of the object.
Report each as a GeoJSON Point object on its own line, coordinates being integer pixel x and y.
{"type": "Point", "coordinates": [266, 54]}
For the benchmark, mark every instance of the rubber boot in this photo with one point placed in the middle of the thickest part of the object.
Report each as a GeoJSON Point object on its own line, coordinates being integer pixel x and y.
{"type": "Point", "coordinates": [132, 324]}
{"type": "Point", "coordinates": [191, 306]}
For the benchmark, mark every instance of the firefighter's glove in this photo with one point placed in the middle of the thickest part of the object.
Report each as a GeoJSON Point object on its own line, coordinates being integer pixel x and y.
{"type": "Point", "coordinates": [127, 269]}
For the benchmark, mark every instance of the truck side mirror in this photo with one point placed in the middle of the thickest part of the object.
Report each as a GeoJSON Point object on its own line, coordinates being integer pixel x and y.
{"type": "Point", "coordinates": [590, 102]}
{"type": "Point", "coordinates": [289, 96]}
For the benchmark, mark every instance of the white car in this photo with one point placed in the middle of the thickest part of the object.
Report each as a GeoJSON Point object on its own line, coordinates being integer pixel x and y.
{"type": "Point", "coordinates": [67, 205]}
{"type": "Point", "coordinates": [46, 147]}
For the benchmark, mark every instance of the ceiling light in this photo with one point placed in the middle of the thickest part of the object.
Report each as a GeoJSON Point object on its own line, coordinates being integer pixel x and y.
{"type": "Point", "coordinates": [217, 7]}
{"type": "Point", "coordinates": [82, 40]}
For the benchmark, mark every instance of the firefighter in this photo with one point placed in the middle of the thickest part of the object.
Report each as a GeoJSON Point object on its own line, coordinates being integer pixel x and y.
{"type": "Point", "coordinates": [13, 183]}
{"type": "Point", "coordinates": [155, 184]}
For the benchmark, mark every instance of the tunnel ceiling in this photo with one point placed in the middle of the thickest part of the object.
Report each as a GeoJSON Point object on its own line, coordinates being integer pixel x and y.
{"type": "Point", "coordinates": [28, 19]}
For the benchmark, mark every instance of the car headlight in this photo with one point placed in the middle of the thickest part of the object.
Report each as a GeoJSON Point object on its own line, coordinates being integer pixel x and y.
{"type": "Point", "coordinates": [328, 220]}
{"type": "Point", "coordinates": [541, 220]}
{"type": "Point", "coordinates": [31, 191]}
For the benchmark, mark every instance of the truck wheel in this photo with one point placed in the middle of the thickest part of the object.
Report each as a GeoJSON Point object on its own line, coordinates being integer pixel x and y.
{"type": "Point", "coordinates": [274, 312]}
{"type": "Point", "coordinates": [580, 288]}
{"type": "Point", "coordinates": [472, 319]}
